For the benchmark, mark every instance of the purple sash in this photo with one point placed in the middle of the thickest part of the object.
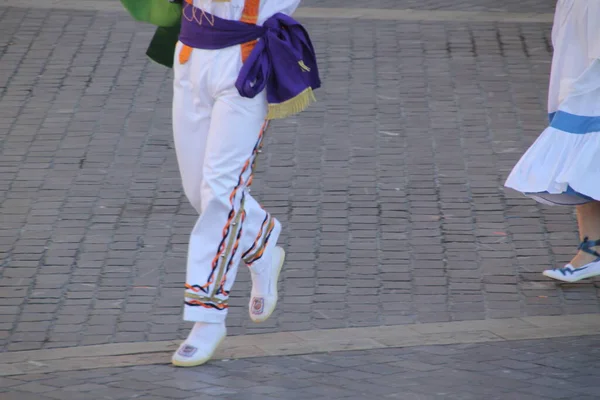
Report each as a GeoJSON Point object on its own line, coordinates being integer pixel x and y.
{"type": "Point", "coordinates": [283, 60]}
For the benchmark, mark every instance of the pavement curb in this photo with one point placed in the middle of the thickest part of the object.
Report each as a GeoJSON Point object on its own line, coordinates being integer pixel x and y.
{"type": "Point", "coordinates": [304, 342]}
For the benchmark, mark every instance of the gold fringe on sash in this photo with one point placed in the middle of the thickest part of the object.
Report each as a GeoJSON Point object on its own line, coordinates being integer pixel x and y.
{"type": "Point", "coordinates": [292, 106]}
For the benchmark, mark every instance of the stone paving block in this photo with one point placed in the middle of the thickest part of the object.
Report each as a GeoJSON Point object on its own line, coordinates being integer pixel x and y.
{"type": "Point", "coordinates": [14, 395]}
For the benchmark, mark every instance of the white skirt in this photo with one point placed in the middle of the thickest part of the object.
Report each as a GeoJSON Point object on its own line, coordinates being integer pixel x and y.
{"type": "Point", "coordinates": [562, 167]}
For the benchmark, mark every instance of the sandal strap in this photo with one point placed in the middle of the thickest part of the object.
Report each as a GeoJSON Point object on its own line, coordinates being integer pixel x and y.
{"type": "Point", "coordinates": [586, 246]}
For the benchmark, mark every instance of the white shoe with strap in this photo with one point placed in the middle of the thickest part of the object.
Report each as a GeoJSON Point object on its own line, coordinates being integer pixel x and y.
{"type": "Point", "coordinates": [571, 274]}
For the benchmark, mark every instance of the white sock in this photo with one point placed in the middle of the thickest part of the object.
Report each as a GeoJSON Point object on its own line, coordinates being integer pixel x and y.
{"type": "Point", "coordinates": [201, 343]}
{"type": "Point", "coordinates": [262, 280]}
{"type": "Point", "coordinates": [263, 297]}
{"type": "Point", "coordinates": [203, 332]}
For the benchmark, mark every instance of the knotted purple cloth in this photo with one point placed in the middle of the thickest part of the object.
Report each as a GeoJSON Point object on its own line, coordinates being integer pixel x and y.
{"type": "Point", "coordinates": [283, 60]}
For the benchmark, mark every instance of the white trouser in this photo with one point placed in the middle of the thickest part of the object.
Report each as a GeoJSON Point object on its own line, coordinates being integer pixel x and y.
{"type": "Point", "coordinates": [217, 136]}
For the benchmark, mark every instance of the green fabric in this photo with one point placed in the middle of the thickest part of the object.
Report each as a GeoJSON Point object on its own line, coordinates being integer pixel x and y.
{"type": "Point", "coordinates": [156, 12]}
{"type": "Point", "coordinates": [167, 17]}
{"type": "Point", "coordinates": [162, 46]}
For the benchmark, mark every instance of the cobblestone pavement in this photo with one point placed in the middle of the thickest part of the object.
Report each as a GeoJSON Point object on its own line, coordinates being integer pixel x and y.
{"type": "Point", "coordinates": [514, 6]}
{"type": "Point", "coordinates": [523, 370]}
{"type": "Point", "coordinates": [518, 6]}
{"type": "Point", "coordinates": [390, 188]}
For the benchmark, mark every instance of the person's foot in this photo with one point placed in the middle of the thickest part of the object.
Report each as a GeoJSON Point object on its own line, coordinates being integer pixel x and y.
{"type": "Point", "coordinates": [585, 264]}
{"type": "Point", "coordinates": [582, 258]}
{"type": "Point", "coordinates": [571, 274]}
{"type": "Point", "coordinates": [264, 295]}
{"type": "Point", "coordinates": [265, 274]}
{"type": "Point", "coordinates": [200, 345]}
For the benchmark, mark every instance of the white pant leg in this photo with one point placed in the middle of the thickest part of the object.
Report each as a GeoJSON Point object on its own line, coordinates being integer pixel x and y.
{"type": "Point", "coordinates": [231, 223]}
{"type": "Point", "coordinates": [192, 109]}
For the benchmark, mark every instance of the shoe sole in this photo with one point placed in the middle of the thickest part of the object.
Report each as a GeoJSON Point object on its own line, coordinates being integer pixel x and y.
{"type": "Point", "coordinates": [266, 316]}
{"type": "Point", "coordinates": [199, 362]}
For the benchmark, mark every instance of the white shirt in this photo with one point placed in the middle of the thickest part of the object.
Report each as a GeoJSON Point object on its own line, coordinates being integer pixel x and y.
{"type": "Point", "coordinates": [232, 9]}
